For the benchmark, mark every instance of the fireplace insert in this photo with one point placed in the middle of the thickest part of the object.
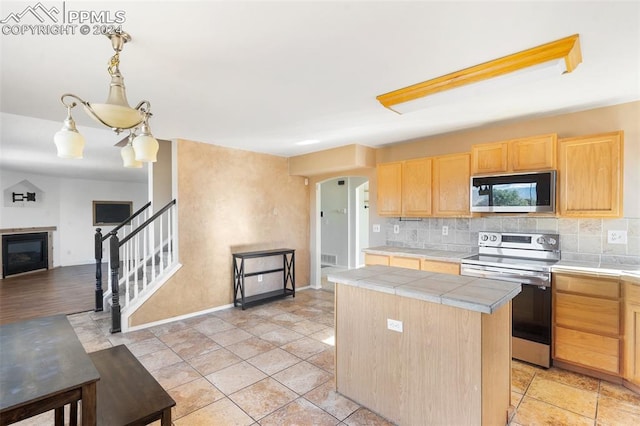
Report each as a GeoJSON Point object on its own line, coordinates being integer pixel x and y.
{"type": "Point", "coordinates": [24, 253]}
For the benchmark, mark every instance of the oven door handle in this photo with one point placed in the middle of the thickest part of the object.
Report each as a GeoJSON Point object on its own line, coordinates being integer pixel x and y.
{"type": "Point", "coordinates": [522, 277]}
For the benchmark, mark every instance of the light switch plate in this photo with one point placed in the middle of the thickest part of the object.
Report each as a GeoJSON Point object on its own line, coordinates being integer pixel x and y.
{"type": "Point", "coordinates": [376, 228]}
{"type": "Point", "coordinates": [617, 237]}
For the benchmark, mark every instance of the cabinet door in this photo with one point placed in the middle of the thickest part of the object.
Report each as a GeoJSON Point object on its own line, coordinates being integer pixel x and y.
{"type": "Point", "coordinates": [590, 176]}
{"type": "Point", "coordinates": [416, 187]}
{"type": "Point", "coordinates": [587, 349]}
{"type": "Point", "coordinates": [390, 189]}
{"type": "Point", "coordinates": [405, 262]}
{"type": "Point", "coordinates": [376, 259]}
{"type": "Point", "coordinates": [534, 153]}
{"type": "Point", "coordinates": [591, 314]}
{"type": "Point", "coordinates": [440, 267]}
{"type": "Point", "coordinates": [632, 333]}
{"type": "Point", "coordinates": [451, 185]}
{"type": "Point", "coordinates": [489, 158]}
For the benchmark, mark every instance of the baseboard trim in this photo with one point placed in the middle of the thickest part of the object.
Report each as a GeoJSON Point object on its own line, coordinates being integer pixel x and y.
{"type": "Point", "coordinates": [190, 315]}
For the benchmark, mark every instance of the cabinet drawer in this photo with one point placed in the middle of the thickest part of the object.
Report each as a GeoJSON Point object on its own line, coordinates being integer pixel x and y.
{"type": "Point", "coordinates": [588, 313]}
{"type": "Point", "coordinates": [590, 350]}
{"type": "Point", "coordinates": [376, 259]}
{"type": "Point", "coordinates": [441, 267]}
{"type": "Point", "coordinates": [405, 262]}
{"type": "Point", "coordinates": [590, 286]}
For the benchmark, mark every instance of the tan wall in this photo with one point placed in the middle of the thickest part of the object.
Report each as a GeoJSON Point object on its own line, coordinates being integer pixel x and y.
{"type": "Point", "coordinates": [624, 117]}
{"type": "Point", "coordinates": [347, 157]}
{"type": "Point", "coordinates": [228, 200]}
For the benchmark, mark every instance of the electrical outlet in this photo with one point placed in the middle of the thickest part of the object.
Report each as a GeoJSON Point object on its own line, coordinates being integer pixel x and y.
{"type": "Point", "coordinates": [396, 229]}
{"type": "Point", "coordinates": [260, 278]}
{"type": "Point", "coordinates": [445, 230]}
{"type": "Point", "coordinates": [617, 237]}
{"type": "Point", "coordinates": [394, 325]}
{"type": "Point", "coordinates": [376, 228]}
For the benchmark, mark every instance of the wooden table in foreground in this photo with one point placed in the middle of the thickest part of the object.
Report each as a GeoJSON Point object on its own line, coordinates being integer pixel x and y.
{"type": "Point", "coordinates": [445, 356]}
{"type": "Point", "coordinates": [44, 367]}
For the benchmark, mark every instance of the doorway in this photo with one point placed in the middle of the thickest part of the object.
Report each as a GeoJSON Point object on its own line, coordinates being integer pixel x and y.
{"type": "Point", "coordinates": [343, 215]}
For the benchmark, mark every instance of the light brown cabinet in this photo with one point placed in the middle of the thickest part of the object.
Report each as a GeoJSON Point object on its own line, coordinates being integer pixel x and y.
{"type": "Point", "coordinates": [440, 266]}
{"type": "Point", "coordinates": [376, 259]}
{"type": "Point", "coordinates": [416, 187]}
{"type": "Point", "coordinates": [451, 175]}
{"type": "Point", "coordinates": [389, 189]}
{"type": "Point", "coordinates": [632, 333]}
{"type": "Point", "coordinates": [404, 188]}
{"type": "Point", "coordinates": [587, 326]}
{"type": "Point", "coordinates": [517, 155]}
{"type": "Point", "coordinates": [590, 175]}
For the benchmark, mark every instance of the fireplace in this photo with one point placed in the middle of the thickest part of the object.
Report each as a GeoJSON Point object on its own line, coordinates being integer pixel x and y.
{"type": "Point", "coordinates": [24, 253]}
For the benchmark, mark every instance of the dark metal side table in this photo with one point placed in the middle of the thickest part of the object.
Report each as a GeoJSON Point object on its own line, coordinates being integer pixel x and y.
{"type": "Point", "coordinates": [239, 275]}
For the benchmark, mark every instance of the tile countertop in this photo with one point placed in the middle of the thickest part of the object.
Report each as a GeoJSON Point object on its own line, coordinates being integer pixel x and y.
{"type": "Point", "coordinates": [474, 294]}
{"type": "Point", "coordinates": [442, 255]}
{"type": "Point", "coordinates": [629, 273]}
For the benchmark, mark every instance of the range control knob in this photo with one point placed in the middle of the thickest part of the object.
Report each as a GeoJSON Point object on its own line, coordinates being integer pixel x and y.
{"type": "Point", "coordinates": [541, 240]}
{"type": "Point", "coordinates": [494, 238]}
{"type": "Point", "coordinates": [484, 237]}
{"type": "Point", "coordinates": [552, 241]}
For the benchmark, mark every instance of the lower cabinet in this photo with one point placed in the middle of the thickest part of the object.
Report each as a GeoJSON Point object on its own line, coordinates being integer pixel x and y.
{"type": "Point", "coordinates": [405, 262]}
{"type": "Point", "coordinates": [376, 259]}
{"type": "Point", "coordinates": [413, 263]}
{"type": "Point", "coordinates": [632, 332]}
{"type": "Point", "coordinates": [587, 322]}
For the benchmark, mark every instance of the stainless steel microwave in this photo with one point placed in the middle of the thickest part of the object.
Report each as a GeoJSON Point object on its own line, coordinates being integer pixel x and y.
{"type": "Point", "coordinates": [514, 193]}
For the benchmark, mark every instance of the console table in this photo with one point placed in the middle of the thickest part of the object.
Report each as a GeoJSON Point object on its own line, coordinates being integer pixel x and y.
{"type": "Point", "coordinates": [239, 275]}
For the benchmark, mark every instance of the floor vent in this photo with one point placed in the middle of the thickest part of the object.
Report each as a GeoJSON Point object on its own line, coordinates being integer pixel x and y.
{"type": "Point", "coordinates": [329, 259]}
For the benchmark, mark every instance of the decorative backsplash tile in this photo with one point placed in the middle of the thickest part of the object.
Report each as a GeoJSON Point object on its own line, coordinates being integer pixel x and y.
{"type": "Point", "coordinates": [580, 239]}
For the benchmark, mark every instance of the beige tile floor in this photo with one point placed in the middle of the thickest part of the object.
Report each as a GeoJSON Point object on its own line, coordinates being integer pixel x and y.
{"type": "Point", "coordinates": [274, 365]}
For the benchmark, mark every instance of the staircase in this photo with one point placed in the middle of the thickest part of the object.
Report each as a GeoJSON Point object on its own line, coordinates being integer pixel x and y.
{"type": "Point", "coordinates": [142, 256]}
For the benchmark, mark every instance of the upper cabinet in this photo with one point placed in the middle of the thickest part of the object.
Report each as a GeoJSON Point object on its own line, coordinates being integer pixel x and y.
{"type": "Point", "coordinates": [451, 185]}
{"type": "Point", "coordinates": [389, 189]}
{"type": "Point", "coordinates": [517, 155]}
{"type": "Point", "coordinates": [416, 187]}
{"type": "Point", "coordinates": [590, 175]}
{"type": "Point", "coordinates": [404, 188]}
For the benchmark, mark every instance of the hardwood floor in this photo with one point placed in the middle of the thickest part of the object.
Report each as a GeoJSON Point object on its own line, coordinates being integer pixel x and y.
{"type": "Point", "coordinates": [63, 290]}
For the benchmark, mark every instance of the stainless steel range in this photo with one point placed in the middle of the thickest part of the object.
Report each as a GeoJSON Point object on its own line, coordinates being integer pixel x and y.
{"type": "Point", "coordinates": [527, 259]}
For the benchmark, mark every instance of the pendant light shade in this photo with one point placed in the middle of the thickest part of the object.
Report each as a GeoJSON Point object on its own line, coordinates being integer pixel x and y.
{"type": "Point", "coordinates": [69, 142]}
{"type": "Point", "coordinates": [129, 156]}
{"type": "Point", "coordinates": [145, 145]}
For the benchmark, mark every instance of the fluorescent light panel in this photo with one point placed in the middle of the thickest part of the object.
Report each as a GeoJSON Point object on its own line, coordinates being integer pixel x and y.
{"type": "Point", "coordinates": [555, 58]}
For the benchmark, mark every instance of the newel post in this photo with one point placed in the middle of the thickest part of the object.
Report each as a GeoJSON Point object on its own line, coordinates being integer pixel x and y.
{"type": "Point", "coordinates": [98, 256]}
{"type": "Point", "coordinates": [114, 252]}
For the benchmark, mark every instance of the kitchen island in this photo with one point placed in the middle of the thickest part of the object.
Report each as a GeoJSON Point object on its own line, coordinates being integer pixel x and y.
{"type": "Point", "coordinates": [424, 348]}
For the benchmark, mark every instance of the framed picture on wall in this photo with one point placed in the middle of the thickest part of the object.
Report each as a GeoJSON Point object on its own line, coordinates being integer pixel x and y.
{"type": "Point", "coordinates": [111, 212]}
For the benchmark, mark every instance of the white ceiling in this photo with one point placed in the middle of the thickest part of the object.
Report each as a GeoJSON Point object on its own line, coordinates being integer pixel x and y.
{"type": "Point", "coordinates": [263, 75]}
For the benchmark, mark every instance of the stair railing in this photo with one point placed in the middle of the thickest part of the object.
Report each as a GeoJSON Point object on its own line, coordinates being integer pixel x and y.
{"type": "Point", "coordinates": [144, 254]}
{"type": "Point", "coordinates": [132, 221]}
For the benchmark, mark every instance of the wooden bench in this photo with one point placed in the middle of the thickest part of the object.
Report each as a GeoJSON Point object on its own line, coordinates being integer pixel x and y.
{"type": "Point", "coordinates": [127, 393]}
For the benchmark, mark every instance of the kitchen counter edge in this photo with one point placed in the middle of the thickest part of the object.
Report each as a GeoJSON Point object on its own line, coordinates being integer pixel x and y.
{"type": "Point", "coordinates": [498, 292]}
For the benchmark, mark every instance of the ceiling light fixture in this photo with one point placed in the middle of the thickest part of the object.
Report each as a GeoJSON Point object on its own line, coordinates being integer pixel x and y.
{"type": "Point", "coordinates": [557, 57]}
{"type": "Point", "coordinates": [114, 113]}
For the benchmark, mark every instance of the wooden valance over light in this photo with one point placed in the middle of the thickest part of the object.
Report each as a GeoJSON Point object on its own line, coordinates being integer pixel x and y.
{"type": "Point", "coordinates": [563, 54]}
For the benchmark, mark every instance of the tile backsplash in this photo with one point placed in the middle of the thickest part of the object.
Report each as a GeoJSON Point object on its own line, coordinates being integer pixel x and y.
{"type": "Point", "coordinates": [580, 239]}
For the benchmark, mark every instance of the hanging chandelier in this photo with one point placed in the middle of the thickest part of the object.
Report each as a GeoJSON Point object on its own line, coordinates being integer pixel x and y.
{"type": "Point", "coordinates": [115, 113]}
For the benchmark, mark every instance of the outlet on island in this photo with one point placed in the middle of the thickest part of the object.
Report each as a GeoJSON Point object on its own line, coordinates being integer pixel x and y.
{"type": "Point", "coordinates": [394, 325]}
{"type": "Point", "coordinates": [260, 278]}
